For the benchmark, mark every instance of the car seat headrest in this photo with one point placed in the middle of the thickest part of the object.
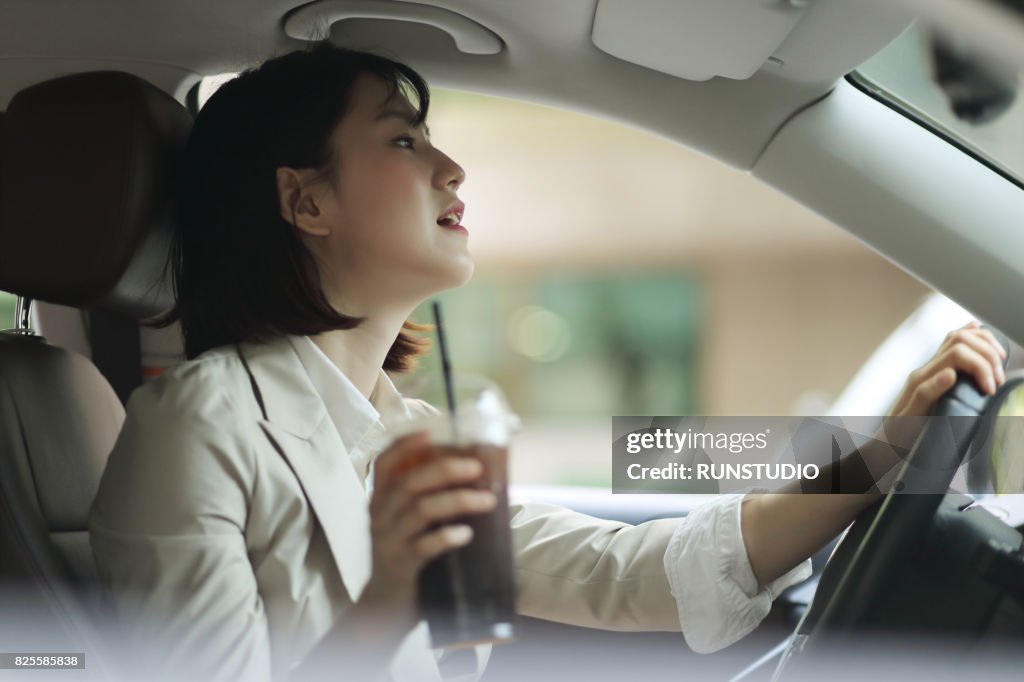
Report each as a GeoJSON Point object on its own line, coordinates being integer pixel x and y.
{"type": "Point", "coordinates": [86, 186]}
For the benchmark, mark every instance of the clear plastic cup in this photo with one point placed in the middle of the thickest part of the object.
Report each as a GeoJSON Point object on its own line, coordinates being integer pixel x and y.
{"type": "Point", "coordinates": [467, 595]}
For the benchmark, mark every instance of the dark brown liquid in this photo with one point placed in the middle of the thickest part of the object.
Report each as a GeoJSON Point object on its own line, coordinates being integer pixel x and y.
{"type": "Point", "coordinates": [468, 594]}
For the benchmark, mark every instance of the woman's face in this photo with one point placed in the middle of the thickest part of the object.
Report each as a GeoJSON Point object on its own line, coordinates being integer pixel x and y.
{"type": "Point", "coordinates": [385, 244]}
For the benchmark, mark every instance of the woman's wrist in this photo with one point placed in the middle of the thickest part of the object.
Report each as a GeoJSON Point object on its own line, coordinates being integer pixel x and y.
{"type": "Point", "coordinates": [386, 611]}
{"type": "Point", "coordinates": [363, 643]}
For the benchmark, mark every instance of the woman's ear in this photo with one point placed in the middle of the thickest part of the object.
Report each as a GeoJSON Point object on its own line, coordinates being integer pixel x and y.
{"type": "Point", "coordinates": [299, 202]}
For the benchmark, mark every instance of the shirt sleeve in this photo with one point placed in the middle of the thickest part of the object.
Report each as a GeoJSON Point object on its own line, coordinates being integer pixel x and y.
{"type": "Point", "coordinates": [590, 572]}
{"type": "Point", "coordinates": [716, 593]}
{"type": "Point", "coordinates": [167, 531]}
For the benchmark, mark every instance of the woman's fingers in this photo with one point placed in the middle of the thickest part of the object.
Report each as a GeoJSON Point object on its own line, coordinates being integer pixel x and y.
{"type": "Point", "coordinates": [413, 517]}
{"type": "Point", "coordinates": [973, 355]}
{"type": "Point", "coordinates": [436, 543]}
{"type": "Point", "coordinates": [397, 458]}
{"type": "Point", "coordinates": [414, 465]}
{"type": "Point", "coordinates": [430, 475]}
{"type": "Point", "coordinates": [441, 472]}
{"type": "Point", "coordinates": [930, 390]}
{"type": "Point", "coordinates": [974, 330]}
{"type": "Point", "coordinates": [981, 341]}
{"type": "Point", "coordinates": [971, 350]}
{"type": "Point", "coordinates": [991, 338]}
{"type": "Point", "coordinates": [418, 493]}
{"type": "Point", "coordinates": [427, 511]}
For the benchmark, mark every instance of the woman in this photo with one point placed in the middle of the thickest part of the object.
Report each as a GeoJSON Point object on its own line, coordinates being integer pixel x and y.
{"type": "Point", "coordinates": [232, 523]}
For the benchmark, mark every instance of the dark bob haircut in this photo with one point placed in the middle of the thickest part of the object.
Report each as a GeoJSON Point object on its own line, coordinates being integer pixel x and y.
{"type": "Point", "coordinates": [239, 269]}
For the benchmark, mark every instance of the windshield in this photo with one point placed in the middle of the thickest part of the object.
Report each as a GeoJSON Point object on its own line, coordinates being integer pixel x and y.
{"type": "Point", "coordinates": [902, 74]}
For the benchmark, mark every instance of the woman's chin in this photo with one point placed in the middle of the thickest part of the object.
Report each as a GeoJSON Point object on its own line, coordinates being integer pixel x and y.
{"type": "Point", "coordinates": [459, 275]}
{"type": "Point", "coordinates": [437, 278]}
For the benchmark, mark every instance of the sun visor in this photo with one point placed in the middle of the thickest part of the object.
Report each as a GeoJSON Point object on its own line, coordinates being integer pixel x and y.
{"type": "Point", "coordinates": [701, 39]}
{"type": "Point", "coordinates": [695, 39]}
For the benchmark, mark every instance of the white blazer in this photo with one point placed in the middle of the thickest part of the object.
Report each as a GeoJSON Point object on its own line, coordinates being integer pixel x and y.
{"type": "Point", "coordinates": [233, 535]}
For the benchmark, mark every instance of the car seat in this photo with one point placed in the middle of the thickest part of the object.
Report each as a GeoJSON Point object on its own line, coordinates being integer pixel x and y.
{"type": "Point", "coordinates": [86, 165]}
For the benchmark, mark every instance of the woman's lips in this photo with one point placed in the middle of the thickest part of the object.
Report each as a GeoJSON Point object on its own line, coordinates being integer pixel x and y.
{"type": "Point", "coordinates": [455, 228]}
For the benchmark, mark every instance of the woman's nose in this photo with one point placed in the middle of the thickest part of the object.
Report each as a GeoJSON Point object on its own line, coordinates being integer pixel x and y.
{"type": "Point", "coordinates": [457, 178]}
{"type": "Point", "coordinates": [449, 174]}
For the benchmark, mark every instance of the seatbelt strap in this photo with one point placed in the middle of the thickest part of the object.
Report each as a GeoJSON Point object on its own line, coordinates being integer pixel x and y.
{"type": "Point", "coordinates": [116, 351]}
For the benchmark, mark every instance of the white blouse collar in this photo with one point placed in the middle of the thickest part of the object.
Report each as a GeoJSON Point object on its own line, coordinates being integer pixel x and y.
{"type": "Point", "coordinates": [353, 414]}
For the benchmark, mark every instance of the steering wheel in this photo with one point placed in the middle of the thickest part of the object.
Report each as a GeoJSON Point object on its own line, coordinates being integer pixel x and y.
{"type": "Point", "coordinates": [885, 536]}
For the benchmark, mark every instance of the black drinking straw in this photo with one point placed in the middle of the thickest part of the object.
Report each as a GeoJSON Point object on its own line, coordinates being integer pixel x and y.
{"type": "Point", "coordinates": [446, 369]}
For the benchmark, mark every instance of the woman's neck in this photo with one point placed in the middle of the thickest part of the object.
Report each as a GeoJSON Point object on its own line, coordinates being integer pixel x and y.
{"type": "Point", "coordinates": [360, 352]}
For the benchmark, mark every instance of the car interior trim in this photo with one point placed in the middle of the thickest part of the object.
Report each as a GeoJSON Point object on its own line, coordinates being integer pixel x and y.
{"type": "Point", "coordinates": [850, 146]}
{"type": "Point", "coordinates": [310, 21]}
{"type": "Point", "coordinates": [865, 85]}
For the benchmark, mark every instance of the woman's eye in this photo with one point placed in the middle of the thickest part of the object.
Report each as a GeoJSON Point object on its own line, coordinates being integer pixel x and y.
{"type": "Point", "coordinates": [405, 141]}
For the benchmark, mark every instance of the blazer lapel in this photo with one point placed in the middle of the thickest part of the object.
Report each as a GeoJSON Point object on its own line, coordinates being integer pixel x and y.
{"type": "Point", "coordinates": [297, 424]}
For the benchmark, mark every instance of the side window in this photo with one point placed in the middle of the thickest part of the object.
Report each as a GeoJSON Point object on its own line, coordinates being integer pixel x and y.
{"type": "Point", "coordinates": [7, 310]}
{"type": "Point", "coordinates": [619, 273]}
{"type": "Point", "coordinates": [205, 88]}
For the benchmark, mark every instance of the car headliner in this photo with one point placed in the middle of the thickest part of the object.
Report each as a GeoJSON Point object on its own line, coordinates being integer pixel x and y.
{"type": "Point", "coordinates": [796, 124]}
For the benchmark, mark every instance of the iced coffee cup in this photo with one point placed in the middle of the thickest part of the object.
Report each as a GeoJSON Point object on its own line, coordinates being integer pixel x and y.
{"type": "Point", "coordinates": [467, 595]}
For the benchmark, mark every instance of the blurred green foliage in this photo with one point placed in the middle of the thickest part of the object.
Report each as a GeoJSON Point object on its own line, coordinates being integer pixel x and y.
{"type": "Point", "coordinates": [7, 310]}
{"type": "Point", "coordinates": [564, 345]}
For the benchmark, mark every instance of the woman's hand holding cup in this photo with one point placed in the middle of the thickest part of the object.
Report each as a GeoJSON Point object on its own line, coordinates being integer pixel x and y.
{"type": "Point", "coordinates": [417, 489]}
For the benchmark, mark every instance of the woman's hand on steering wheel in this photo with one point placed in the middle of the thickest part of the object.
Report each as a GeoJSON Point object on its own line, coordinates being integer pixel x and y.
{"type": "Point", "coordinates": [971, 350]}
